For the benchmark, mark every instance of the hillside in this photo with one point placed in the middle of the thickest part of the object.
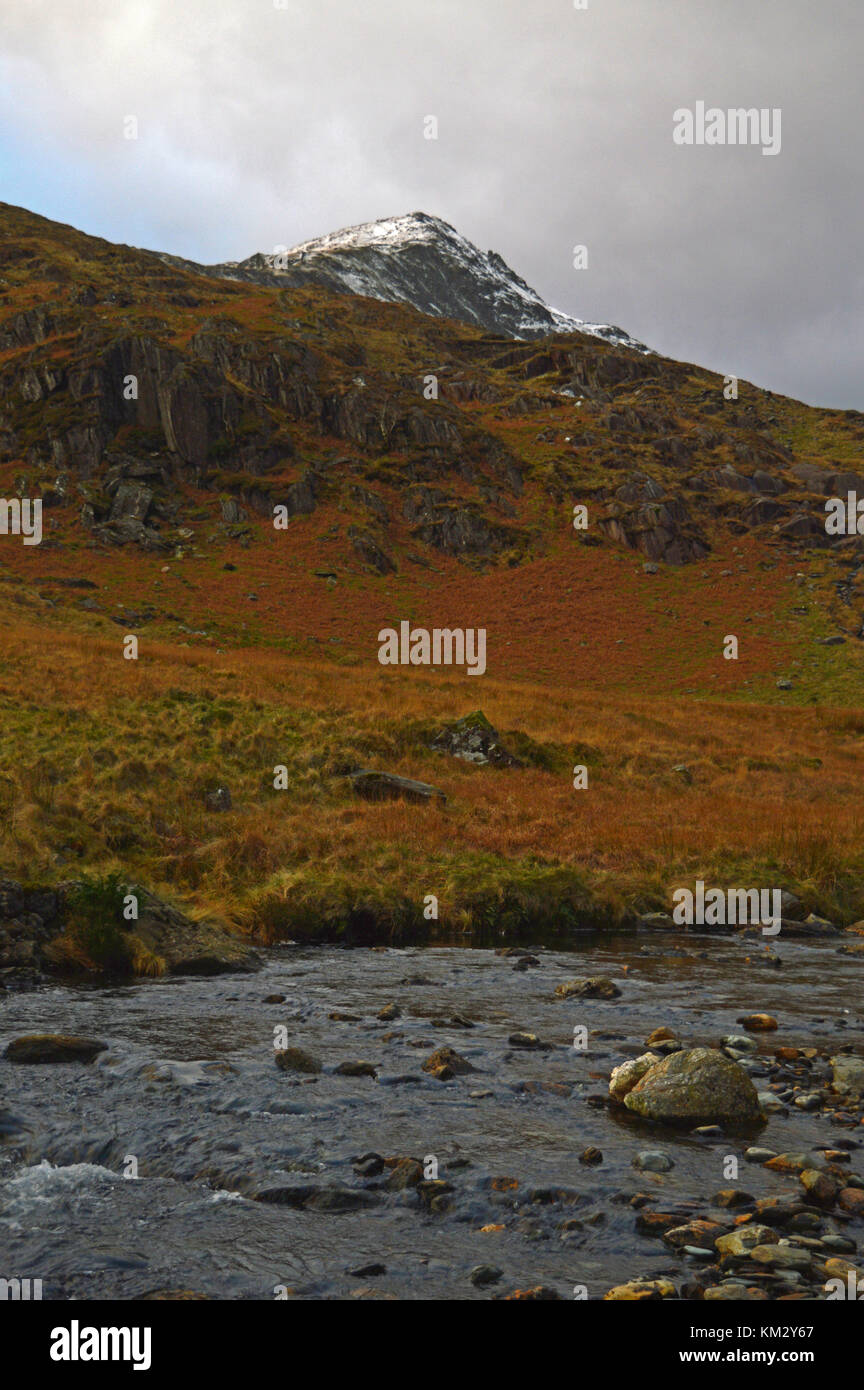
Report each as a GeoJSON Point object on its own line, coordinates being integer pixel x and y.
{"type": "Point", "coordinates": [258, 646]}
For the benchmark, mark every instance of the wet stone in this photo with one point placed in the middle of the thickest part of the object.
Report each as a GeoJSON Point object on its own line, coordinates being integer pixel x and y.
{"type": "Point", "coordinates": [53, 1047]}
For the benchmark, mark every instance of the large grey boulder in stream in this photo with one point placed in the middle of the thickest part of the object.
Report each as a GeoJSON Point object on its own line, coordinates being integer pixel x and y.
{"type": "Point", "coordinates": [698, 1087]}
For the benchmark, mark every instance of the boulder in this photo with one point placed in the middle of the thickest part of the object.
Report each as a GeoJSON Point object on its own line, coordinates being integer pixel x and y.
{"type": "Point", "coordinates": [695, 1087]}
{"type": "Point", "coordinates": [474, 740]}
{"type": "Point", "coordinates": [385, 786]}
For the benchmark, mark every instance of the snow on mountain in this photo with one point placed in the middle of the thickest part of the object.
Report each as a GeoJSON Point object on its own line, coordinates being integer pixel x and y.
{"type": "Point", "coordinates": [420, 260]}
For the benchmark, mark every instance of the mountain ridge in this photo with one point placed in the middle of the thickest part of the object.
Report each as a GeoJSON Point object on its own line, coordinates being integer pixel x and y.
{"type": "Point", "coordinates": [415, 259]}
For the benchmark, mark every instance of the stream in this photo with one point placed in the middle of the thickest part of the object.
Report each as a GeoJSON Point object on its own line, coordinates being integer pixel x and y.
{"type": "Point", "coordinates": [187, 1095]}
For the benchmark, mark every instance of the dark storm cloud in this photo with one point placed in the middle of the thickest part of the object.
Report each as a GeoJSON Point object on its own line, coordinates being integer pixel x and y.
{"type": "Point", "coordinates": [263, 126]}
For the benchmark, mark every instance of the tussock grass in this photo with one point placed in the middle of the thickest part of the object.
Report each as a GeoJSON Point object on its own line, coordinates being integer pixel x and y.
{"type": "Point", "coordinates": [104, 765]}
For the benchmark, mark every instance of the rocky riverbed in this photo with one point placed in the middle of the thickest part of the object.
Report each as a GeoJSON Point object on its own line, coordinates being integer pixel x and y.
{"type": "Point", "coordinates": [418, 1124]}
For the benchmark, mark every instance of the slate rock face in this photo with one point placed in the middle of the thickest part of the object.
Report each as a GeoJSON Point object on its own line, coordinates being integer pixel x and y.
{"type": "Point", "coordinates": [699, 1086]}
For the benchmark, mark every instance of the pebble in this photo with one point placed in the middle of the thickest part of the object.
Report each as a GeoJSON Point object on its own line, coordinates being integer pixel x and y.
{"type": "Point", "coordinates": [812, 1101]}
{"type": "Point", "coordinates": [757, 1155]}
{"type": "Point", "coordinates": [528, 1041]}
{"type": "Point", "coordinates": [759, 1023]}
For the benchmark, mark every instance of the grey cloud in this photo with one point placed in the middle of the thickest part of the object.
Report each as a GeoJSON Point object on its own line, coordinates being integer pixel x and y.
{"type": "Point", "coordinates": [263, 126]}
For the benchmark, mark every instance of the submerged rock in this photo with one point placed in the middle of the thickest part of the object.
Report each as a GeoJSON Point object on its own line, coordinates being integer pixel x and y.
{"type": "Point", "coordinates": [653, 1161]}
{"type": "Point", "coordinates": [357, 1069]}
{"type": "Point", "coordinates": [529, 1042]}
{"type": "Point", "coordinates": [597, 988]}
{"type": "Point", "coordinates": [53, 1047]}
{"type": "Point", "coordinates": [445, 1058]}
{"type": "Point", "coordinates": [697, 1087]}
{"type": "Point", "coordinates": [295, 1059]}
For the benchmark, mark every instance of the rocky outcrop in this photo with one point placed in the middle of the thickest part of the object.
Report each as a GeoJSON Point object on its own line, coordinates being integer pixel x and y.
{"type": "Point", "coordinates": [34, 937]}
{"type": "Point", "coordinates": [474, 740]}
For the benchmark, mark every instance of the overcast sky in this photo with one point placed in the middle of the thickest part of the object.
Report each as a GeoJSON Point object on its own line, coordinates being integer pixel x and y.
{"type": "Point", "coordinates": [262, 126]}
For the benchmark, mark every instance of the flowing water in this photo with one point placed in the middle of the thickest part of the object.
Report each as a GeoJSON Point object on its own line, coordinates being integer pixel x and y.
{"type": "Point", "coordinates": [188, 1090]}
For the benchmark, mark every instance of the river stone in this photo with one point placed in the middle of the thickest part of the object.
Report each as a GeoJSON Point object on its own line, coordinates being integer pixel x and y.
{"type": "Point", "coordinates": [759, 1023]}
{"type": "Point", "coordinates": [597, 988]}
{"type": "Point", "coordinates": [842, 1243]}
{"type": "Point", "coordinates": [653, 1161]}
{"type": "Point", "coordinates": [821, 1189]}
{"type": "Point", "coordinates": [485, 1274]}
{"type": "Point", "coordinates": [447, 1058]}
{"type": "Point", "coordinates": [771, 1104]}
{"type": "Point", "coordinates": [528, 1042]}
{"type": "Point", "coordinates": [295, 1059]}
{"type": "Point", "coordinates": [734, 1293]}
{"type": "Point", "coordinates": [408, 1172]}
{"type": "Point", "coordinates": [640, 1290]}
{"type": "Point", "coordinates": [848, 1075]}
{"type": "Point", "coordinates": [696, 1087]}
{"type": "Point", "coordinates": [729, 1197]}
{"type": "Point", "coordinates": [53, 1047]}
{"type": "Point", "coordinates": [781, 1257]}
{"type": "Point", "coordinates": [625, 1077]}
{"type": "Point", "coordinates": [680, 1237]}
{"type": "Point", "coordinates": [745, 1239]}
{"type": "Point", "coordinates": [789, 1163]}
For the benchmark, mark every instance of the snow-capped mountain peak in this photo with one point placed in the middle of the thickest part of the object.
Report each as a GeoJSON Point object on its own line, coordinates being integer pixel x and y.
{"type": "Point", "coordinates": [420, 260]}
